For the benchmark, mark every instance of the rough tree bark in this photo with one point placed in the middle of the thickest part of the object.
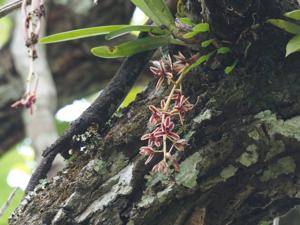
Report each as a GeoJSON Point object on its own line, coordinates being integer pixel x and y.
{"type": "Point", "coordinates": [75, 71]}
{"type": "Point", "coordinates": [242, 163]}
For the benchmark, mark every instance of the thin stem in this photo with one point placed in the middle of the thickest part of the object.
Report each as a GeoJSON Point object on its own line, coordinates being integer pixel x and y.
{"type": "Point", "coordinates": [31, 73]}
{"type": "Point", "coordinates": [10, 7]}
{"type": "Point", "coordinates": [157, 151]}
{"type": "Point", "coordinates": [170, 151]}
{"type": "Point", "coordinates": [176, 84]}
{"type": "Point", "coordinates": [8, 202]}
{"type": "Point", "coordinates": [33, 29]}
{"type": "Point", "coordinates": [165, 147]}
{"type": "Point", "coordinates": [164, 140]}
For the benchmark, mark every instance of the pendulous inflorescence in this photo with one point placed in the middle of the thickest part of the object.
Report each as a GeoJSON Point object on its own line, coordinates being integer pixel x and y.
{"type": "Point", "coordinates": [164, 139]}
{"type": "Point", "coordinates": [32, 21]}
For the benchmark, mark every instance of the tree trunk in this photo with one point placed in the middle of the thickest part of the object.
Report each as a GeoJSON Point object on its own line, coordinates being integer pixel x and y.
{"type": "Point", "coordinates": [75, 71]}
{"type": "Point", "coordinates": [242, 163]}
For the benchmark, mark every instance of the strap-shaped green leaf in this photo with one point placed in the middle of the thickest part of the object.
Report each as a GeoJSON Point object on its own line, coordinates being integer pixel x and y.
{"type": "Point", "coordinates": [162, 11]}
{"type": "Point", "coordinates": [199, 28]}
{"type": "Point", "coordinates": [285, 25]}
{"type": "Point", "coordinates": [190, 34]}
{"type": "Point", "coordinates": [293, 45]}
{"type": "Point", "coordinates": [157, 11]}
{"type": "Point", "coordinates": [202, 59]}
{"type": "Point", "coordinates": [206, 43]}
{"type": "Point", "coordinates": [186, 20]}
{"type": "Point", "coordinates": [143, 28]}
{"type": "Point", "coordinates": [81, 33]}
{"type": "Point", "coordinates": [230, 68]}
{"type": "Point", "coordinates": [293, 14]}
{"type": "Point", "coordinates": [133, 47]}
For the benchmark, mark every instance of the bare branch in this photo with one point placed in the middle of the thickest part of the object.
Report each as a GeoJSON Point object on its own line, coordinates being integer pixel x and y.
{"type": "Point", "coordinates": [99, 112]}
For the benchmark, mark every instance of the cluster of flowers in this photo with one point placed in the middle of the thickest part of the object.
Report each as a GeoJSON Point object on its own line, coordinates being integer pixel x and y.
{"type": "Point", "coordinates": [163, 139]}
{"type": "Point", "coordinates": [31, 30]}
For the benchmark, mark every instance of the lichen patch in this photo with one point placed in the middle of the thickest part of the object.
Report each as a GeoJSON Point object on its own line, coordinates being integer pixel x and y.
{"type": "Point", "coordinates": [285, 165]}
{"type": "Point", "coordinates": [249, 157]}
{"type": "Point", "coordinates": [188, 171]}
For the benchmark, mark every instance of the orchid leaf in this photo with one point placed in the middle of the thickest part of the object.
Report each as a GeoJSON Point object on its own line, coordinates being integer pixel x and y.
{"type": "Point", "coordinates": [293, 45]}
{"type": "Point", "coordinates": [157, 11]}
{"type": "Point", "coordinates": [81, 33]}
{"type": "Point", "coordinates": [223, 50]}
{"type": "Point", "coordinates": [293, 14]}
{"type": "Point", "coordinates": [285, 25]}
{"type": "Point", "coordinates": [202, 59]}
{"type": "Point", "coordinates": [133, 47]}
{"type": "Point", "coordinates": [190, 34]}
{"type": "Point", "coordinates": [230, 68]}
{"type": "Point", "coordinates": [142, 5]}
{"type": "Point", "coordinates": [186, 21]}
{"type": "Point", "coordinates": [143, 28]}
{"type": "Point", "coordinates": [206, 43]}
{"type": "Point", "coordinates": [199, 28]}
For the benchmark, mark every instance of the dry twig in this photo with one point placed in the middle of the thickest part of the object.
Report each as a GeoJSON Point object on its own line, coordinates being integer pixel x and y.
{"type": "Point", "coordinates": [8, 202]}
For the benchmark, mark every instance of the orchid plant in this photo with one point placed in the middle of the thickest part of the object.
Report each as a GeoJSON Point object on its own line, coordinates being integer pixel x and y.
{"type": "Point", "coordinates": [293, 28]}
{"type": "Point", "coordinates": [165, 30]}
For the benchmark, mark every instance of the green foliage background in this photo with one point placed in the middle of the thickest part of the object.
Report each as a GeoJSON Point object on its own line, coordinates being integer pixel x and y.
{"type": "Point", "coordinates": [5, 27]}
{"type": "Point", "coordinates": [11, 160]}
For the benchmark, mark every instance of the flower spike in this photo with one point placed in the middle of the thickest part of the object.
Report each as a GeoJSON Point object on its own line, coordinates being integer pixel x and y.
{"type": "Point", "coordinates": [164, 135]}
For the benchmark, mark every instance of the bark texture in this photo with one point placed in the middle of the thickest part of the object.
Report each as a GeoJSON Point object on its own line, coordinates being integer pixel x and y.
{"type": "Point", "coordinates": [75, 71]}
{"type": "Point", "coordinates": [242, 163]}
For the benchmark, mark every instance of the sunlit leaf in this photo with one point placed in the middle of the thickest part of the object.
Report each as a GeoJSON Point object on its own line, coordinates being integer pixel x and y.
{"type": "Point", "coordinates": [293, 14]}
{"type": "Point", "coordinates": [206, 43]}
{"type": "Point", "coordinates": [81, 33]}
{"type": "Point", "coordinates": [293, 45]}
{"type": "Point", "coordinates": [285, 25]}
{"type": "Point", "coordinates": [190, 34]}
{"type": "Point", "coordinates": [157, 11]}
{"type": "Point", "coordinates": [201, 60]}
{"type": "Point", "coordinates": [132, 95]}
{"type": "Point", "coordinates": [186, 20]}
{"type": "Point", "coordinates": [223, 50]}
{"type": "Point", "coordinates": [143, 28]}
{"type": "Point", "coordinates": [134, 47]}
{"type": "Point", "coordinates": [199, 28]}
